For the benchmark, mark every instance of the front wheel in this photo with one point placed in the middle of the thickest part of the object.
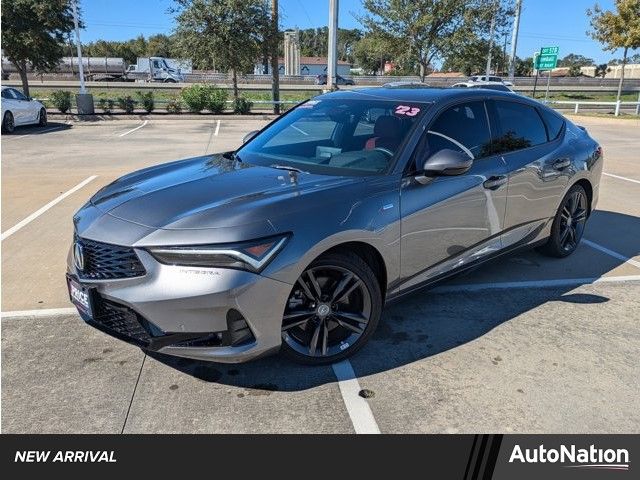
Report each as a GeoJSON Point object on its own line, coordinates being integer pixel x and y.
{"type": "Point", "coordinates": [8, 123]}
{"type": "Point", "coordinates": [333, 309]}
{"type": "Point", "coordinates": [42, 118]}
{"type": "Point", "coordinates": [568, 224]}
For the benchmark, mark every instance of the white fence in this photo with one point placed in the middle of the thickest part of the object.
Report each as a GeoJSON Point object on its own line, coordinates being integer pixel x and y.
{"type": "Point", "coordinates": [617, 105]}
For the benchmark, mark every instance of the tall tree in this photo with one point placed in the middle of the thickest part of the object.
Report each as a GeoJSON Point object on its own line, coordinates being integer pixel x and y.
{"type": "Point", "coordinates": [160, 45]}
{"type": "Point", "coordinates": [601, 70]}
{"type": "Point", "coordinates": [34, 32]}
{"type": "Point", "coordinates": [372, 51]}
{"type": "Point", "coordinates": [428, 29]}
{"type": "Point", "coordinates": [574, 59]}
{"type": "Point", "coordinates": [619, 29]}
{"type": "Point", "coordinates": [471, 56]}
{"type": "Point", "coordinates": [227, 33]}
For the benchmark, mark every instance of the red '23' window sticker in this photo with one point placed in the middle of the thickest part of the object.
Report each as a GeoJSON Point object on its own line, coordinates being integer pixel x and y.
{"type": "Point", "coordinates": [406, 110]}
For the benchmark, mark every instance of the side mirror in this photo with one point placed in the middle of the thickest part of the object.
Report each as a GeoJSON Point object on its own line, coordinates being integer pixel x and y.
{"type": "Point", "coordinates": [445, 162]}
{"type": "Point", "coordinates": [249, 136]}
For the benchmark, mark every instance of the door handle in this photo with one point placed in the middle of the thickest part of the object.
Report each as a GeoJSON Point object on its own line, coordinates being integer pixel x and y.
{"type": "Point", "coordinates": [494, 182]}
{"type": "Point", "coordinates": [561, 164]}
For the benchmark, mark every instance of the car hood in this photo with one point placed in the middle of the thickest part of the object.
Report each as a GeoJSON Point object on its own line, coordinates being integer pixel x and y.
{"type": "Point", "coordinates": [208, 192]}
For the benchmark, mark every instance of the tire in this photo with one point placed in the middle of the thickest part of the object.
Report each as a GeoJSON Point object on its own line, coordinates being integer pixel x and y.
{"type": "Point", "coordinates": [568, 225]}
{"type": "Point", "coordinates": [341, 321]}
{"type": "Point", "coordinates": [42, 118]}
{"type": "Point", "coordinates": [8, 123]}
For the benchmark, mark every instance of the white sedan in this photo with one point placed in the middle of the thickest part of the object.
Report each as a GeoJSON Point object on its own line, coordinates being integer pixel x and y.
{"type": "Point", "coordinates": [20, 110]}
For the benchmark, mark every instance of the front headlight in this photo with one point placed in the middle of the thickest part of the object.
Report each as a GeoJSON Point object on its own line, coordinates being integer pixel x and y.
{"type": "Point", "coordinates": [253, 255]}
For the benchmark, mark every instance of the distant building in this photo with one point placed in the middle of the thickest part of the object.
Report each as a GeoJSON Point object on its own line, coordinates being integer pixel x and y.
{"type": "Point", "coordinates": [309, 66]}
{"type": "Point", "coordinates": [631, 70]}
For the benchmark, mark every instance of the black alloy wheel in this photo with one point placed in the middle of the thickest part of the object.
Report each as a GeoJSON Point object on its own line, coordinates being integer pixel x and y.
{"type": "Point", "coordinates": [568, 224]}
{"type": "Point", "coordinates": [332, 310]}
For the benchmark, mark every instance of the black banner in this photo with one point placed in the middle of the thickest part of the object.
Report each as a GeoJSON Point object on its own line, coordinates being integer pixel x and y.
{"type": "Point", "coordinates": [465, 457]}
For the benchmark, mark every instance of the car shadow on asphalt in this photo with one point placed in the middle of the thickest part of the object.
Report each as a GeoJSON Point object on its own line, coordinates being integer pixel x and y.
{"type": "Point", "coordinates": [50, 127]}
{"type": "Point", "coordinates": [422, 325]}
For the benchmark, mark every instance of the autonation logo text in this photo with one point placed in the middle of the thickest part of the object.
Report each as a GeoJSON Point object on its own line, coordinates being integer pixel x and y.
{"type": "Point", "coordinates": [574, 457]}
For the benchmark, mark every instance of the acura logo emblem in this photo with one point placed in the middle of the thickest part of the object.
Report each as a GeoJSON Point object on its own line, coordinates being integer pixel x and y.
{"type": "Point", "coordinates": [78, 256]}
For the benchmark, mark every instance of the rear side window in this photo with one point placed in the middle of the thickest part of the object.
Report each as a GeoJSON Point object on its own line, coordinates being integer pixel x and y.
{"type": "Point", "coordinates": [554, 123]}
{"type": "Point", "coordinates": [521, 127]}
{"type": "Point", "coordinates": [463, 127]}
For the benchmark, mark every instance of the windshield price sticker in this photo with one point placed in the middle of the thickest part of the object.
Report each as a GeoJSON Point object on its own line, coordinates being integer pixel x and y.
{"type": "Point", "coordinates": [407, 110]}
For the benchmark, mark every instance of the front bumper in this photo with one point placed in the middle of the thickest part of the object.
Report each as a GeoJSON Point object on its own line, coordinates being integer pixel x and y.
{"type": "Point", "coordinates": [191, 312]}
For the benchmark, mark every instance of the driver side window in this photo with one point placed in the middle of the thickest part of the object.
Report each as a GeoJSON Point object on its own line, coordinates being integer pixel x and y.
{"type": "Point", "coordinates": [463, 127]}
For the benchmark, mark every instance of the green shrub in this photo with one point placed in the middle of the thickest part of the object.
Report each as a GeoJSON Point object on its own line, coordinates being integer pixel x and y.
{"type": "Point", "coordinates": [174, 105]}
{"type": "Point", "coordinates": [61, 99]}
{"type": "Point", "coordinates": [126, 103]}
{"type": "Point", "coordinates": [242, 105]}
{"type": "Point", "coordinates": [106, 105]}
{"type": "Point", "coordinates": [195, 98]}
{"type": "Point", "coordinates": [216, 99]}
{"type": "Point", "coordinates": [204, 97]}
{"type": "Point", "coordinates": [146, 99]}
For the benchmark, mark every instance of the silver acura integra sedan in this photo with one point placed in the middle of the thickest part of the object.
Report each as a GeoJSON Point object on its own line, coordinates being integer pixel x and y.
{"type": "Point", "coordinates": [297, 240]}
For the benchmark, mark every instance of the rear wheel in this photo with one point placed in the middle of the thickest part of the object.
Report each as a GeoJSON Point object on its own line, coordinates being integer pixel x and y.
{"type": "Point", "coordinates": [42, 118]}
{"type": "Point", "coordinates": [568, 224]}
{"type": "Point", "coordinates": [8, 123]}
{"type": "Point", "coordinates": [332, 310]}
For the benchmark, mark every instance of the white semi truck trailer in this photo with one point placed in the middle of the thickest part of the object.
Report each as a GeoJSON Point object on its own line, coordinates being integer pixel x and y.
{"type": "Point", "coordinates": [147, 69]}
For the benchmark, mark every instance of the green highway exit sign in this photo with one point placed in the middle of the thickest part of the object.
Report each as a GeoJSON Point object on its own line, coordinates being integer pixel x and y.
{"type": "Point", "coordinates": [547, 59]}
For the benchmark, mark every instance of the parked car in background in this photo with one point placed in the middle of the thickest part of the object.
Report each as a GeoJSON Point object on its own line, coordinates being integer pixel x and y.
{"type": "Point", "coordinates": [299, 237]}
{"type": "Point", "coordinates": [498, 86]}
{"type": "Point", "coordinates": [18, 110]}
{"type": "Point", "coordinates": [322, 80]}
{"type": "Point", "coordinates": [490, 78]}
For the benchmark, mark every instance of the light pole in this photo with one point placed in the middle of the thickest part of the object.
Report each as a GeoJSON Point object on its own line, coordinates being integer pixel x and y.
{"type": "Point", "coordinates": [491, 34]}
{"type": "Point", "coordinates": [84, 100]}
{"type": "Point", "coordinates": [514, 41]}
{"type": "Point", "coordinates": [333, 44]}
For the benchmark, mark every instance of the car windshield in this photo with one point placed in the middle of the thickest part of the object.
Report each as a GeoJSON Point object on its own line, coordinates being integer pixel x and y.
{"type": "Point", "coordinates": [336, 136]}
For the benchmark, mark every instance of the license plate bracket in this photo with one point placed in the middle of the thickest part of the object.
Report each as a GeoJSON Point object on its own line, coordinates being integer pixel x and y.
{"type": "Point", "coordinates": [82, 297]}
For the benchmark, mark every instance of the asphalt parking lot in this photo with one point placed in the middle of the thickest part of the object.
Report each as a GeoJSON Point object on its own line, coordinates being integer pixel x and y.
{"type": "Point", "coordinates": [525, 344]}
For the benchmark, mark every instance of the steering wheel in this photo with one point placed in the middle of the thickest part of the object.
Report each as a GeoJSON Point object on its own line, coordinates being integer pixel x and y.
{"type": "Point", "coordinates": [384, 150]}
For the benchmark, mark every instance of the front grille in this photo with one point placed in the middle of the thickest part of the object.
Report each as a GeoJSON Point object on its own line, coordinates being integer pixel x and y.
{"type": "Point", "coordinates": [120, 321]}
{"type": "Point", "coordinates": [103, 261]}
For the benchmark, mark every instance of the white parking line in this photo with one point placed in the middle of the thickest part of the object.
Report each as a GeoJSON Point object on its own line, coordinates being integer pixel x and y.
{"type": "Point", "coordinates": [620, 178]}
{"type": "Point", "coordinates": [358, 408]}
{"type": "Point", "coordinates": [217, 128]}
{"type": "Point", "coordinates": [53, 202]}
{"type": "Point", "coordinates": [45, 312]}
{"type": "Point", "coordinates": [134, 129]}
{"type": "Point", "coordinates": [611, 253]}
{"type": "Point", "coordinates": [559, 282]}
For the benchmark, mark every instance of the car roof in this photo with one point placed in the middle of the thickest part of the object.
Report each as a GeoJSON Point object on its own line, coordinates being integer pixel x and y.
{"type": "Point", "coordinates": [409, 94]}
